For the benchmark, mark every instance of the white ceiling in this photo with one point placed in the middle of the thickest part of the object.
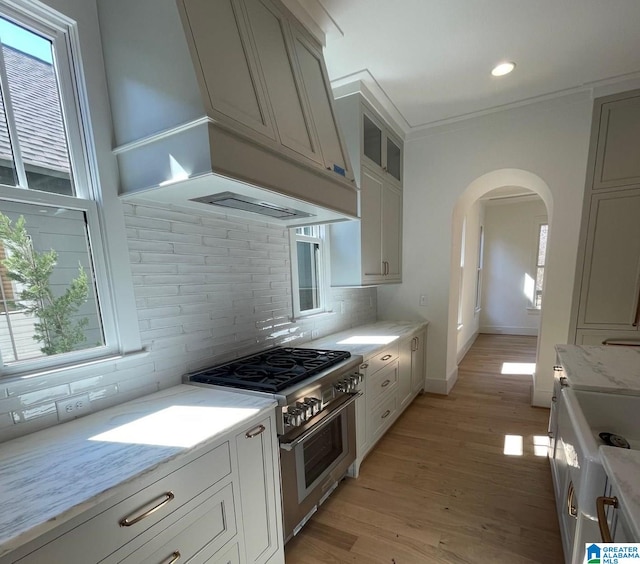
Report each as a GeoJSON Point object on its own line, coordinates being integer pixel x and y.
{"type": "Point", "coordinates": [431, 59]}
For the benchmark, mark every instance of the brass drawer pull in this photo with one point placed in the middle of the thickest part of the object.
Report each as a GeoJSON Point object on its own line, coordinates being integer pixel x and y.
{"type": "Point", "coordinates": [128, 521]}
{"type": "Point", "coordinates": [255, 431]}
{"type": "Point", "coordinates": [571, 508]}
{"type": "Point", "coordinates": [385, 383]}
{"type": "Point", "coordinates": [386, 357]}
{"type": "Point", "coordinates": [174, 557]}
{"type": "Point", "coordinates": [605, 533]}
{"type": "Point", "coordinates": [364, 366]}
{"type": "Point", "coordinates": [386, 414]}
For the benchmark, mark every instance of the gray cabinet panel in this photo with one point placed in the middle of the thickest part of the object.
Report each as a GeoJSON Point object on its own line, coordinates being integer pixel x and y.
{"type": "Point", "coordinates": [611, 279]}
{"type": "Point", "coordinates": [318, 90]}
{"type": "Point", "coordinates": [268, 30]}
{"type": "Point", "coordinates": [371, 224]}
{"type": "Point", "coordinates": [618, 152]}
{"type": "Point", "coordinates": [392, 230]}
{"type": "Point", "coordinates": [227, 65]}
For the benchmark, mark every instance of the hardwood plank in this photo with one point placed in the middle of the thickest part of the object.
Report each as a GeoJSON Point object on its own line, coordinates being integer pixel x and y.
{"type": "Point", "coordinates": [438, 487]}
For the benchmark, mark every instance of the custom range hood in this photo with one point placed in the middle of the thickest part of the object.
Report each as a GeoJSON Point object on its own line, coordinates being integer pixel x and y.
{"type": "Point", "coordinates": [224, 105]}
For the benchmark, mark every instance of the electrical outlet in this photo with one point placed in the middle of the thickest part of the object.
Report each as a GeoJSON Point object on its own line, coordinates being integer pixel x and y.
{"type": "Point", "coordinates": [315, 333]}
{"type": "Point", "coordinates": [74, 406]}
{"type": "Point", "coordinates": [423, 300]}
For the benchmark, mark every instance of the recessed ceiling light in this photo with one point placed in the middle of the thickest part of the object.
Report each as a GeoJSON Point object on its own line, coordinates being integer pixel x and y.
{"type": "Point", "coordinates": [502, 69]}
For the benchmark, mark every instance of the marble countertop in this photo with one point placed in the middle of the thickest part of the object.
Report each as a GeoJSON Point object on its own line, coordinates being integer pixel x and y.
{"type": "Point", "coordinates": [367, 339]}
{"type": "Point", "coordinates": [612, 369]}
{"type": "Point", "coordinates": [76, 465]}
{"type": "Point", "coordinates": [623, 468]}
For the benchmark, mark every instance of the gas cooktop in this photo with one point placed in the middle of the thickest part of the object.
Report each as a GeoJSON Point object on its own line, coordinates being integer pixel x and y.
{"type": "Point", "coordinates": [272, 370]}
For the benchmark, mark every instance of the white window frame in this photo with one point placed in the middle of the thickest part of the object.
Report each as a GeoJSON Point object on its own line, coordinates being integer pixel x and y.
{"type": "Point", "coordinates": [323, 278]}
{"type": "Point", "coordinates": [540, 221]}
{"type": "Point", "coordinates": [479, 270]}
{"type": "Point", "coordinates": [463, 242]}
{"type": "Point", "coordinates": [117, 318]}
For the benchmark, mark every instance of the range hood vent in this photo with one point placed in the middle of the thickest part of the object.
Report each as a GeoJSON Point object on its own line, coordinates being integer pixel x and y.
{"type": "Point", "coordinates": [244, 203]}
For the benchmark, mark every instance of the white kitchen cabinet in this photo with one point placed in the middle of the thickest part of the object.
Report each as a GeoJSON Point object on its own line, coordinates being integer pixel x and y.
{"type": "Point", "coordinates": [611, 278]}
{"type": "Point", "coordinates": [369, 251]}
{"type": "Point", "coordinates": [381, 148]}
{"type": "Point", "coordinates": [221, 505]}
{"type": "Point", "coordinates": [606, 303]}
{"type": "Point", "coordinates": [412, 364]}
{"type": "Point", "coordinates": [259, 477]}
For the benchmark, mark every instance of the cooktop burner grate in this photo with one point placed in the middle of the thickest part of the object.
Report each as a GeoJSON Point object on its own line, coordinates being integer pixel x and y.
{"type": "Point", "coordinates": [270, 371]}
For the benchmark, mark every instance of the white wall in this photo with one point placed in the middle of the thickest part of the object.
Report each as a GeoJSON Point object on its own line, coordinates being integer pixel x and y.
{"type": "Point", "coordinates": [511, 237]}
{"type": "Point", "coordinates": [467, 333]}
{"type": "Point", "coordinates": [549, 139]}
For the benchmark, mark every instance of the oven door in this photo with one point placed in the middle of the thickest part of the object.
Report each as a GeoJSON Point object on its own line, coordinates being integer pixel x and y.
{"type": "Point", "coordinates": [314, 459]}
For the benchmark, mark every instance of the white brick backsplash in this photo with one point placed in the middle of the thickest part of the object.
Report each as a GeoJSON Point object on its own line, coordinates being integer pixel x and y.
{"type": "Point", "coordinates": [209, 288]}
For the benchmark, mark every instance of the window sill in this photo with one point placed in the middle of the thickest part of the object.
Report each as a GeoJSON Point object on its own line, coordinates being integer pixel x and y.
{"type": "Point", "coordinates": [311, 316]}
{"type": "Point", "coordinates": [77, 369]}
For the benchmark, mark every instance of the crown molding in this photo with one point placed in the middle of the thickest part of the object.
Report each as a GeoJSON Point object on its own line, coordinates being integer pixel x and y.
{"type": "Point", "coordinates": [315, 17]}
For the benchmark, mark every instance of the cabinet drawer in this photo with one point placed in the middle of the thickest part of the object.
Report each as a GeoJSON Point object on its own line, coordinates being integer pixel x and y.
{"type": "Point", "coordinates": [382, 416]}
{"type": "Point", "coordinates": [101, 535]}
{"type": "Point", "coordinates": [205, 529]}
{"type": "Point", "coordinates": [229, 556]}
{"type": "Point", "coordinates": [381, 383]}
{"type": "Point", "coordinates": [375, 363]}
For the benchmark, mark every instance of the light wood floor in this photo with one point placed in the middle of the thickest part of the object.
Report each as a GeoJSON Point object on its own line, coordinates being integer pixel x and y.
{"type": "Point", "coordinates": [438, 487]}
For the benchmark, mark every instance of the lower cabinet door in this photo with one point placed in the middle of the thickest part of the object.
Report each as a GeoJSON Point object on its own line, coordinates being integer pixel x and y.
{"type": "Point", "coordinates": [259, 496]}
{"type": "Point", "coordinates": [207, 528]}
{"type": "Point", "coordinates": [229, 556]}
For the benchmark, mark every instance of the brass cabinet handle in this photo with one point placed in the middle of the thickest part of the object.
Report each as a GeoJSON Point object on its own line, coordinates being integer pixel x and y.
{"type": "Point", "coordinates": [386, 357]}
{"type": "Point", "coordinates": [622, 342]}
{"type": "Point", "coordinates": [554, 399]}
{"type": "Point", "coordinates": [601, 501]}
{"type": "Point", "coordinates": [386, 414]}
{"type": "Point", "coordinates": [174, 557]}
{"type": "Point", "coordinates": [571, 508]}
{"type": "Point", "coordinates": [364, 366]}
{"type": "Point", "coordinates": [128, 521]}
{"type": "Point", "coordinates": [385, 383]}
{"type": "Point", "coordinates": [255, 431]}
{"type": "Point", "coordinates": [557, 368]}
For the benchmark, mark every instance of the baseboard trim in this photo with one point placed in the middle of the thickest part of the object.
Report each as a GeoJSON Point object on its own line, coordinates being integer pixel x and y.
{"type": "Point", "coordinates": [465, 348]}
{"type": "Point", "coordinates": [498, 330]}
{"type": "Point", "coordinates": [441, 386]}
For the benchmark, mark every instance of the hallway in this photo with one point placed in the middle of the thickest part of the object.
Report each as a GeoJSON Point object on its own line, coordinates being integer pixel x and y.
{"type": "Point", "coordinates": [439, 488]}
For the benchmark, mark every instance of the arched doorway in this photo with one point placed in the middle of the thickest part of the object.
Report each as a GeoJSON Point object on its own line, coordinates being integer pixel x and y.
{"type": "Point", "coordinates": [465, 227]}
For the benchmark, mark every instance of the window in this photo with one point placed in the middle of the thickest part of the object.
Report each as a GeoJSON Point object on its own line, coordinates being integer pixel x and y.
{"type": "Point", "coordinates": [461, 273]}
{"type": "Point", "coordinates": [54, 300]}
{"type": "Point", "coordinates": [479, 269]}
{"type": "Point", "coordinates": [541, 255]}
{"type": "Point", "coordinates": [309, 270]}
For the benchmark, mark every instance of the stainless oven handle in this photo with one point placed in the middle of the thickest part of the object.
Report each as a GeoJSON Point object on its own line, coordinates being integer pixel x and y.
{"type": "Point", "coordinates": [316, 428]}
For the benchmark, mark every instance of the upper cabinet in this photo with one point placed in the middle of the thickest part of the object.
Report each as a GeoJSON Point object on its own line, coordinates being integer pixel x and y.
{"type": "Point", "coordinates": [231, 90]}
{"type": "Point", "coordinates": [606, 307]}
{"type": "Point", "coordinates": [618, 131]}
{"type": "Point", "coordinates": [381, 149]}
{"type": "Point", "coordinates": [369, 251]}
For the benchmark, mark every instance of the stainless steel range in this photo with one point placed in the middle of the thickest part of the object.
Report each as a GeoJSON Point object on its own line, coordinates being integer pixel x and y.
{"type": "Point", "coordinates": [316, 392]}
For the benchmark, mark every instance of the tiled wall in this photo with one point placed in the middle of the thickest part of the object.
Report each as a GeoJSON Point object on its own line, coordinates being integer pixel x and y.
{"type": "Point", "coordinates": [208, 288]}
